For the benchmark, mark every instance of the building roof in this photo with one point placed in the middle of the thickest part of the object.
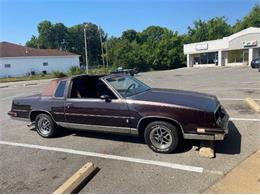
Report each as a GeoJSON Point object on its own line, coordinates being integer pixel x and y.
{"type": "Point", "coordinates": [225, 42]}
{"type": "Point", "coordinates": [13, 50]}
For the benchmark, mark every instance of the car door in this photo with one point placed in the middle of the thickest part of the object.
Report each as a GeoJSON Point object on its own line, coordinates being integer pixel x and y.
{"type": "Point", "coordinates": [97, 114]}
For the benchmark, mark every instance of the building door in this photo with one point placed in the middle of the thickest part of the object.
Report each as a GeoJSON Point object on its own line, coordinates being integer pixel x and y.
{"type": "Point", "coordinates": [245, 57]}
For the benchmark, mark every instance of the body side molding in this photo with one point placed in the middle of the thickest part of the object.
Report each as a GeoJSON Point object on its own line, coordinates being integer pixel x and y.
{"type": "Point", "coordinates": [125, 130]}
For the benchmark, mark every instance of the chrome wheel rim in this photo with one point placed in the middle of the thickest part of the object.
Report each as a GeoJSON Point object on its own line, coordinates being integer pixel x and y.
{"type": "Point", "coordinates": [44, 126]}
{"type": "Point", "coordinates": [161, 137]}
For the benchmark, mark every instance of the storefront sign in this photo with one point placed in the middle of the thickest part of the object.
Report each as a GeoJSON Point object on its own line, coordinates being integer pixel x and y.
{"type": "Point", "coordinates": [202, 46]}
{"type": "Point", "coordinates": [250, 43]}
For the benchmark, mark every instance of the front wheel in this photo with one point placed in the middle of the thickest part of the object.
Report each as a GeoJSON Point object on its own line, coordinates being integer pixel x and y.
{"type": "Point", "coordinates": [161, 136]}
{"type": "Point", "coordinates": [45, 126]}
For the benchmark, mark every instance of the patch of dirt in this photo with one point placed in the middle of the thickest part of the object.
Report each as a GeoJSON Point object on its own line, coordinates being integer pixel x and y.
{"type": "Point", "coordinates": [55, 177]}
{"type": "Point", "coordinates": [44, 169]}
{"type": "Point", "coordinates": [249, 91]}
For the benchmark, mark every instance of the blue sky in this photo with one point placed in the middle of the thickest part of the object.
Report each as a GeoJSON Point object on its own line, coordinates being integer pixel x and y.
{"type": "Point", "coordinates": [19, 18]}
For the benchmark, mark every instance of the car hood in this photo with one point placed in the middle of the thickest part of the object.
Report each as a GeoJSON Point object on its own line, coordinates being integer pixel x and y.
{"type": "Point", "coordinates": [188, 99]}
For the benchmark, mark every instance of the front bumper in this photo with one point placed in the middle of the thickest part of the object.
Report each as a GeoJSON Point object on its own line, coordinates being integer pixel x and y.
{"type": "Point", "coordinates": [213, 137]}
{"type": "Point", "coordinates": [211, 134]}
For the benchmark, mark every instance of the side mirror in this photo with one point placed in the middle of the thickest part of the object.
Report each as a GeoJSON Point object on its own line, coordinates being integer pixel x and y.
{"type": "Point", "coordinates": [105, 97]}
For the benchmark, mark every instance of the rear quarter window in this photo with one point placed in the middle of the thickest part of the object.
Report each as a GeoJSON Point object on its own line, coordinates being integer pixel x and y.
{"type": "Point", "coordinates": [60, 89]}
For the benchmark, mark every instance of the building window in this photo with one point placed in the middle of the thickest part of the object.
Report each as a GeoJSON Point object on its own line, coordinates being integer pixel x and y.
{"type": "Point", "coordinates": [7, 65]}
{"type": "Point", "coordinates": [45, 63]}
{"type": "Point", "coordinates": [238, 56]}
{"type": "Point", "coordinates": [205, 58]}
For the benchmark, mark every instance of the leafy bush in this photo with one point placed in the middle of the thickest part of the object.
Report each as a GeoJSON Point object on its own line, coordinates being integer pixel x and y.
{"type": "Point", "coordinates": [58, 74]}
{"type": "Point", "coordinates": [74, 70]}
{"type": "Point", "coordinates": [98, 71]}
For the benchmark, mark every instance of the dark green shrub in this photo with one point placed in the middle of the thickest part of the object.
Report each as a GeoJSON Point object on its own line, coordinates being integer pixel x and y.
{"type": "Point", "coordinates": [74, 70]}
{"type": "Point", "coordinates": [59, 74]}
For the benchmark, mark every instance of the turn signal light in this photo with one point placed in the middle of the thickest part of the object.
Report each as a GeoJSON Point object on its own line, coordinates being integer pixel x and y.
{"type": "Point", "coordinates": [200, 130]}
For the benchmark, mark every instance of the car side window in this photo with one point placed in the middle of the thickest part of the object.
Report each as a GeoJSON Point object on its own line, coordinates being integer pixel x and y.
{"type": "Point", "coordinates": [89, 87]}
{"type": "Point", "coordinates": [60, 89]}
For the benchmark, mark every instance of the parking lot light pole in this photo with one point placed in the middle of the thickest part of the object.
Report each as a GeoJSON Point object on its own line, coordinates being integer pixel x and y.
{"type": "Point", "coordinates": [86, 47]}
{"type": "Point", "coordinates": [106, 58]}
{"type": "Point", "coordinates": [101, 46]}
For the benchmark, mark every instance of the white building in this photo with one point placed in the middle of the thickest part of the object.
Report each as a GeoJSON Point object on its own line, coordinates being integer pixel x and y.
{"type": "Point", "coordinates": [17, 60]}
{"type": "Point", "coordinates": [237, 49]}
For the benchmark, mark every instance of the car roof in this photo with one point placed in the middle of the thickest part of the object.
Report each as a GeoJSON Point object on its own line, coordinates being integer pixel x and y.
{"type": "Point", "coordinates": [105, 76]}
{"type": "Point", "coordinates": [87, 75]}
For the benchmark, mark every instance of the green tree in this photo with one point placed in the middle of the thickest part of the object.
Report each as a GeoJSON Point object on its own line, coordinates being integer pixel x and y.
{"type": "Point", "coordinates": [251, 20]}
{"type": "Point", "coordinates": [154, 48]}
{"type": "Point", "coordinates": [215, 28]}
{"type": "Point", "coordinates": [130, 35]}
{"type": "Point", "coordinates": [60, 33]}
{"type": "Point", "coordinates": [46, 36]}
{"type": "Point", "coordinates": [33, 42]}
{"type": "Point", "coordinates": [58, 36]}
{"type": "Point", "coordinates": [219, 28]}
{"type": "Point", "coordinates": [76, 42]}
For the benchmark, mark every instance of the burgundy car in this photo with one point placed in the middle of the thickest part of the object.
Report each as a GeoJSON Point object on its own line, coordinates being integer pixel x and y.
{"type": "Point", "coordinates": [124, 105]}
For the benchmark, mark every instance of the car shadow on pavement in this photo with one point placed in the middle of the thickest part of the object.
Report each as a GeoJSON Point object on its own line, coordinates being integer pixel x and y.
{"type": "Point", "coordinates": [230, 145]}
{"type": "Point", "coordinates": [232, 142]}
{"type": "Point", "coordinates": [184, 146]}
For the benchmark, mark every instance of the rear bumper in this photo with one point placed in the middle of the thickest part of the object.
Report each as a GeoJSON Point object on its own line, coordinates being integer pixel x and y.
{"type": "Point", "coordinates": [13, 116]}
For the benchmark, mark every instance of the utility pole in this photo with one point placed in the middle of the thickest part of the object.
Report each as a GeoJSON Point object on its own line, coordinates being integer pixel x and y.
{"type": "Point", "coordinates": [86, 47]}
{"type": "Point", "coordinates": [101, 45]}
{"type": "Point", "coordinates": [106, 58]}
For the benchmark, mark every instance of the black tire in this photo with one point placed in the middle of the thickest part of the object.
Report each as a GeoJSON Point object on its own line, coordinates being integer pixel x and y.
{"type": "Point", "coordinates": [44, 131]}
{"type": "Point", "coordinates": [151, 132]}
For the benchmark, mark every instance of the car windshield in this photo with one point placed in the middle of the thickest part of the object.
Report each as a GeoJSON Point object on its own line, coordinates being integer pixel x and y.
{"type": "Point", "coordinates": [127, 86]}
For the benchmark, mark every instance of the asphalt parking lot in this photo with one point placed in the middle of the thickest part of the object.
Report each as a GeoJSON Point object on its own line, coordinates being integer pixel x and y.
{"type": "Point", "coordinates": [126, 164]}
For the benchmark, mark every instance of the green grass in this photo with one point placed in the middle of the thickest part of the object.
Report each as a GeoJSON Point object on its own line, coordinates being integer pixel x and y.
{"type": "Point", "coordinates": [26, 78]}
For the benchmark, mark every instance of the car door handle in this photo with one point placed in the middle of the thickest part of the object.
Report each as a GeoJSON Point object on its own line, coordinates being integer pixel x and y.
{"type": "Point", "coordinates": [68, 105]}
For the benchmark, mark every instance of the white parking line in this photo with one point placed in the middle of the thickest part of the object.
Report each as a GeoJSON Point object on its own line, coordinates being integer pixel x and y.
{"type": "Point", "coordinates": [222, 89]}
{"type": "Point", "coordinates": [19, 95]}
{"type": "Point", "coordinates": [236, 99]}
{"type": "Point", "coordinates": [108, 156]}
{"type": "Point", "coordinates": [245, 119]}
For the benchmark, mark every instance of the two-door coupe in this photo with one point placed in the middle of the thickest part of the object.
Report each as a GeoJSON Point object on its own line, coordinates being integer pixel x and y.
{"type": "Point", "coordinates": [122, 104]}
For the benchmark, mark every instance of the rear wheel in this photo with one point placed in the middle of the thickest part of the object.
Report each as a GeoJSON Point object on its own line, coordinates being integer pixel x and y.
{"type": "Point", "coordinates": [45, 126]}
{"type": "Point", "coordinates": [161, 136]}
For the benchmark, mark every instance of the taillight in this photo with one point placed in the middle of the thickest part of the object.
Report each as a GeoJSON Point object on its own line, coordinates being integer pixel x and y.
{"type": "Point", "coordinates": [12, 113]}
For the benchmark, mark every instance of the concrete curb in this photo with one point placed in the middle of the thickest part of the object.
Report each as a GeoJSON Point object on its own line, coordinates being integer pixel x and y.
{"type": "Point", "coordinates": [5, 86]}
{"type": "Point", "coordinates": [243, 179]}
{"type": "Point", "coordinates": [28, 84]}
